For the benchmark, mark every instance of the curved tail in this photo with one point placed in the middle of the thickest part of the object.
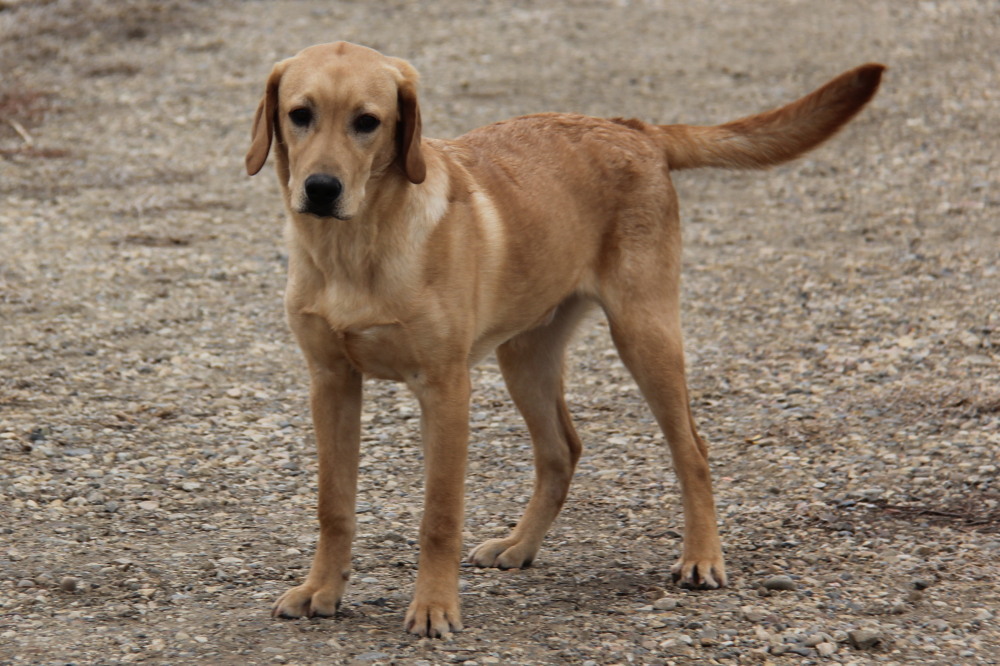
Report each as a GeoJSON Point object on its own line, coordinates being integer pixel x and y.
{"type": "Point", "coordinates": [773, 137]}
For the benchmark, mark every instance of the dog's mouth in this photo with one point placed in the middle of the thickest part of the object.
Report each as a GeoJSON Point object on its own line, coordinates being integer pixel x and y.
{"type": "Point", "coordinates": [325, 213]}
{"type": "Point", "coordinates": [324, 210]}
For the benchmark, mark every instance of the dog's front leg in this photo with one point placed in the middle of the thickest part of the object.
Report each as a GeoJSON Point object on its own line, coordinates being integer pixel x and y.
{"type": "Point", "coordinates": [335, 398]}
{"type": "Point", "coordinates": [444, 403]}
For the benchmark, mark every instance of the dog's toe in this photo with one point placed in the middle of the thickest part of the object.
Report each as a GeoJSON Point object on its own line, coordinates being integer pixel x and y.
{"type": "Point", "coordinates": [699, 575]}
{"type": "Point", "coordinates": [306, 601]}
{"type": "Point", "coordinates": [436, 618]}
{"type": "Point", "coordinates": [502, 554]}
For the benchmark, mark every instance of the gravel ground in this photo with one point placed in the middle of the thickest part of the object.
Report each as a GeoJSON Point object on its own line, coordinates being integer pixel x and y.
{"type": "Point", "coordinates": [157, 485]}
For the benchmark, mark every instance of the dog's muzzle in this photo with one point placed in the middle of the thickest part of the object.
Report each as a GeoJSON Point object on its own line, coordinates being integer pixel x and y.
{"type": "Point", "coordinates": [322, 193]}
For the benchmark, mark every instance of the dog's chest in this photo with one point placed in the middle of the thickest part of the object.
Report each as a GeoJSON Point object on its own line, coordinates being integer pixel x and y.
{"type": "Point", "coordinates": [383, 351]}
{"type": "Point", "coordinates": [370, 331]}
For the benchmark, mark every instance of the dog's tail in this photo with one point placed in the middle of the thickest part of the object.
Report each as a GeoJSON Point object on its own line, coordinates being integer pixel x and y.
{"type": "Point", "coordinates": [773, 137]}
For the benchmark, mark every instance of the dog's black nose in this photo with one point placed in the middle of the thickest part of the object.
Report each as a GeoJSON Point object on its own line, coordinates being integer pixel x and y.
{"type": "Point", "coordinates": [322, 190]}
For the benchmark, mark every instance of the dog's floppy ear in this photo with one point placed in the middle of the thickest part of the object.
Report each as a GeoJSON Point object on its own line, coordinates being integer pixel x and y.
{"type": "Point", "coordinates": [263, 122]}
{"type": "Point", "coordinates": [409, 155]}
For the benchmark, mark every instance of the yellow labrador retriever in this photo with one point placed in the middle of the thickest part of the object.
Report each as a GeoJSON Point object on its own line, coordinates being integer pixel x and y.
{"type": "Point", "coordinates": [413, 258]}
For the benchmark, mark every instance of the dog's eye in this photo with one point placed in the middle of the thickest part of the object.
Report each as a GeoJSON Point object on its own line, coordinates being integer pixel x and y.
{"type": "Point", "coordinates": [366, 123]}
{"type": "Point", "coordinates": [300, 117]}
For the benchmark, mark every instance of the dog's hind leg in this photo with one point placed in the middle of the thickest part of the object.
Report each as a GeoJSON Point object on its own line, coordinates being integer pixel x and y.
{"type": "Point", "coordinates": [642, 301]}
{"type": "Point", "coordinates": [532, 366]}
{"type": "Point", "coordinates": [654, 355]}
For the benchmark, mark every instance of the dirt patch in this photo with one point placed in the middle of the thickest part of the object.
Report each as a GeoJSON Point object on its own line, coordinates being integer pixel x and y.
{"type": "Point", "coordinates": [977, 513]}
{"type": "Point", "coordinates": [38, 31]}
{"type": "Point", "coordinates": [158, 484]}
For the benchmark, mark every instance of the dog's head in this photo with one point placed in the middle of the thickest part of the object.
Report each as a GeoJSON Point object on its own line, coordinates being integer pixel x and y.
{"type": "Point", "coordinates": [340, 115]}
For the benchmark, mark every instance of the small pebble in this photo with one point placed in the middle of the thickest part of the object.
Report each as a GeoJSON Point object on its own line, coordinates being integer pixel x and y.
{"type": "Point", "coordinates": [801, 651]}
{"type": "Point", "coordinates": [864, 639]}
{"type": "Point", "coordinates": [780, 583]}
{"type": "Point", "coordinates": [68, 584]}
{"type": "Point", "coordinates": [938, 624]}
{"type": "Point", "coordinates": [665, 604]}
{"type": "Point", "coordinates": [753, 614]}
{"type": "Point", "coordinates": [825, 649]}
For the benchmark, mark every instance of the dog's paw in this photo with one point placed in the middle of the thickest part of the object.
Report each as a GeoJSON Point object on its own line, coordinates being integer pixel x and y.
{"type": "Point", "coordinates": [506, 553]}
{"type": "Point", "coordinates": [307, 601]}
{"type": "Point", "coordinates": [436, 618]}
{"type": "Point", "coordinates": [700, 574]}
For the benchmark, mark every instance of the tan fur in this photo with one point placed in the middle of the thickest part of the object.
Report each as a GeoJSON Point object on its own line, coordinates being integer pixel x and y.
{"type": "Point", "coordinates": [437, 252]}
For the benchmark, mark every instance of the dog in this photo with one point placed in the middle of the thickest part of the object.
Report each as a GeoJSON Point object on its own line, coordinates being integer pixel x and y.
{"type": "Point", "coordinates": [410, 259]}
